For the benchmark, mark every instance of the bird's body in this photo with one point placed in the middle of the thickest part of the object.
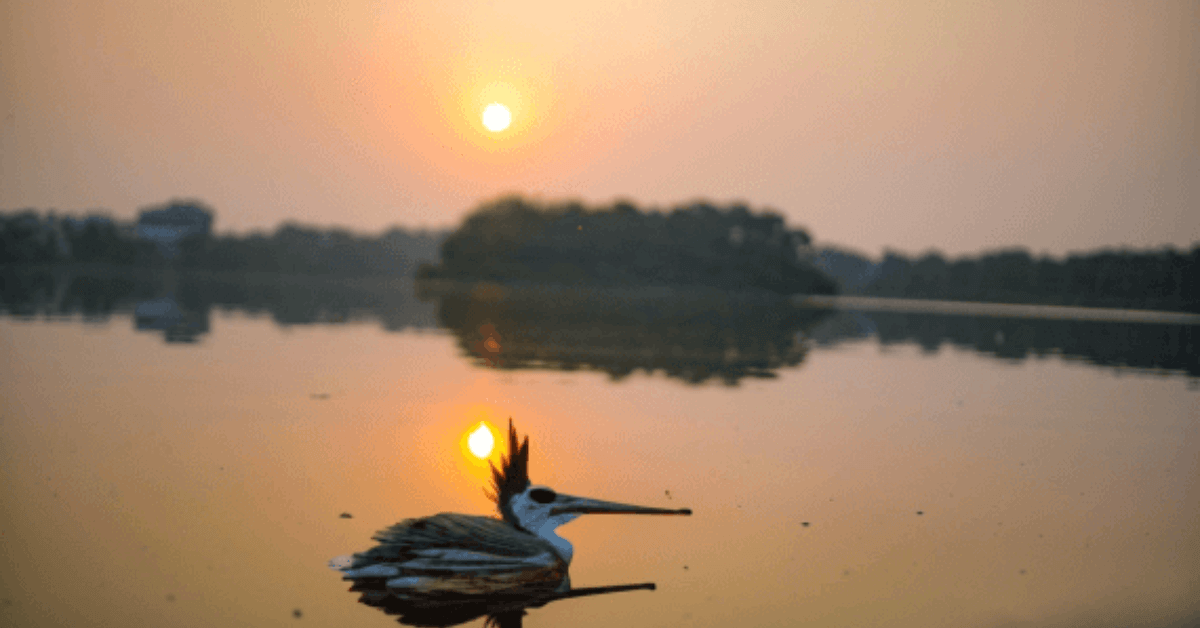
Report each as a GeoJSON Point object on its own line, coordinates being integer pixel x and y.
{"type": "Point", "coordinates": [457, 555]}
{"type": "Point", "coordinates": [448, 568]}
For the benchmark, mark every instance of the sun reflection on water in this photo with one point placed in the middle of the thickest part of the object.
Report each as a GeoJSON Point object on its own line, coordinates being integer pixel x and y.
{"type": "Point", "coordinates": [478, 442]}
{"type": "Point", "coordinates": [481, 441]}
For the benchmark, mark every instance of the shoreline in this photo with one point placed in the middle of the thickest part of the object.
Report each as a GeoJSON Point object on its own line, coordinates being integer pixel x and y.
{"type": "Point", "coordinates": [995, 310]}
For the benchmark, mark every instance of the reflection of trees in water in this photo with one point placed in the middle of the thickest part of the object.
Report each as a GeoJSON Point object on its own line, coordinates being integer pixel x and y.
{"type": "Point", "coordinates": [299, 300]}
{"type": "Point", "coordinates": [691, 335]}
{"type": "Point", "coordinates": [694, 335]}
{"type": "Point", "coordinates": [24, 294]}
{"type": "Point", "coordinates": [98, 293]}
{"type": "Point", "coordinates": [1143, 346]}
{"type": "Point", "coordinates": [48, 292]}
{"type": "Point", "coordinates": [94, 297]}
{"type": "Point", "coordinates": [178, 323]}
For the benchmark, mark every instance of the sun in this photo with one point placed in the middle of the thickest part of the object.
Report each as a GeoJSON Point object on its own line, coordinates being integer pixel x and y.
{"type": "Point", "coordinates": [481, 441]}
{"type": "Point", "coordinates": [496, 117]}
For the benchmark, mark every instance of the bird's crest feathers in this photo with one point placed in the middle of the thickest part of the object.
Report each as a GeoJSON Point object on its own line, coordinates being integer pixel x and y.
{"type": "Point", "coordinates": [512, 478]}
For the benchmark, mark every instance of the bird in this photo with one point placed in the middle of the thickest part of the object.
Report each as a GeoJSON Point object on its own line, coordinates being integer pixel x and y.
{"type": "Point", "coordinates": [449, 568]}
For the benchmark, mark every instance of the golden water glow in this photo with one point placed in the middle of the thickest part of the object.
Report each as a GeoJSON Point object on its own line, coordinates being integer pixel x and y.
{"type": "Point", "coordinates": [496, 117]}
{"type": "Point", "coordinates": [481, 441]}
{"type": "Point", "coordinates": [1033, 467]}
{"type": "Point", "coordinates": [475, 432]}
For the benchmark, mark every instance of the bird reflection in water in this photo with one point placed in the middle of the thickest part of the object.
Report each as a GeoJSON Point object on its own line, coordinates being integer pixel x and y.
{"type": "Point", "coordinates": [451, 568]}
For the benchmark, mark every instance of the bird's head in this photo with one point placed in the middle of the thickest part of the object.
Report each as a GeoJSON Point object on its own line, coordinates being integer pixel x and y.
{"type": "Point", "coordinates": [540, 509]}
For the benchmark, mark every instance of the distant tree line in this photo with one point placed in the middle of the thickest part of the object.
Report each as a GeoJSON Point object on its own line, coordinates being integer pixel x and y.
{"type": "Point", "coordinates": [1164, 279]}
{"type": "Point", "coordinates": [518, 240]}
{"type": "Point", "coordinates": [299, 250]}
{"type": "Point", "coordinates": [28, 238]}
{"type": "Point", "coordinates": [514, 239]}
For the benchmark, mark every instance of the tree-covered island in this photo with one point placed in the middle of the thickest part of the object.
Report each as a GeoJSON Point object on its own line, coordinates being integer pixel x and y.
{"type": "Point", "coordinates": [518, 240]}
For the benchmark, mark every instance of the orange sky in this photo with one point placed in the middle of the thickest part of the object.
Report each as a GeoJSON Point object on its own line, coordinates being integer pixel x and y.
{"type": "Point", "coordinates": [960, 126]}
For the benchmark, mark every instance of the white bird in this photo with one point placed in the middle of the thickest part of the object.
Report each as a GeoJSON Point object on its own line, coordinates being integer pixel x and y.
{"type": "Point", "coordinates": [475, 565]}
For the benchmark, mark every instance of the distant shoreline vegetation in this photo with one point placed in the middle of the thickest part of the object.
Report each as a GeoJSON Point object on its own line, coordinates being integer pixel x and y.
{"type": "Point", "coordinates": [178, 235]}
{"type": "Point", "coordinates": [1163, 279]}
{"type": "Point", "coordinates": [517, 240]}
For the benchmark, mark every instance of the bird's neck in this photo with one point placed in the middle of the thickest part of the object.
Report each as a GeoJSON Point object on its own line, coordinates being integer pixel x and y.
{"type": "Point", "coordinates": [561, 546]}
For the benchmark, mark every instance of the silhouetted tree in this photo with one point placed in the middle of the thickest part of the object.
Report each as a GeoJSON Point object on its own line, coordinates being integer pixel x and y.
{"type": "Point", "coordinates": [516, 240]}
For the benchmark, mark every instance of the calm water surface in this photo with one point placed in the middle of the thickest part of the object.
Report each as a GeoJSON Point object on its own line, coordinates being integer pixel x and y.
{"type": "Point", "coordinates": [200, 484]}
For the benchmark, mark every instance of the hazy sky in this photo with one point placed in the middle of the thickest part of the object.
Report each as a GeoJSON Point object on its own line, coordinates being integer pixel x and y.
{"type": "Point", "coordinates": [962, 126]}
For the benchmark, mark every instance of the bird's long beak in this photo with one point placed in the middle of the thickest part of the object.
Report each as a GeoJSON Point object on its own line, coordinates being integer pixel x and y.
{"type": "Point", "coordinates": [584, 505]}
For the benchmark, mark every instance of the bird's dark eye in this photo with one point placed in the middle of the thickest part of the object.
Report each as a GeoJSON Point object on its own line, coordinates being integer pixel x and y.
{"type": "Point", "coordinates": [542, 495]}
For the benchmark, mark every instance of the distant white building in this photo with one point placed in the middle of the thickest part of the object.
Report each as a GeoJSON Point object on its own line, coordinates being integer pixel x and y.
{"type": "Point", "coordinates": [168, 225]}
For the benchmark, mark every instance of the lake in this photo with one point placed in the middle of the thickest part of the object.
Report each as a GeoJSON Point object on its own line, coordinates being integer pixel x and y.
{"type": "Point", "coordinates": [181, 454]}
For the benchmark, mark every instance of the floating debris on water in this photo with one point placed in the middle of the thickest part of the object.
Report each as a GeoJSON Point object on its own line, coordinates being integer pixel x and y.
{"type": "Point", "coordinates": [346, 515]}
{"type": "Point", "coordinates": [920, 512]}
{"type": "Point", "coordinates": [297, 614]}
{"type": "Point", "coordinates": [668, 494]}
{"type": "Point", "coordinates": [321, 396]}
{"type": "Point", "coordinates": [804, 523]}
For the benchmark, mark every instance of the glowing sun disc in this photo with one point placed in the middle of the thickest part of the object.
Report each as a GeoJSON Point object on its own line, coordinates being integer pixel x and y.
{"type": "Point", "coordinates": [481, 441]}
{"type": "Point", "coordinates": [496, 117]}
